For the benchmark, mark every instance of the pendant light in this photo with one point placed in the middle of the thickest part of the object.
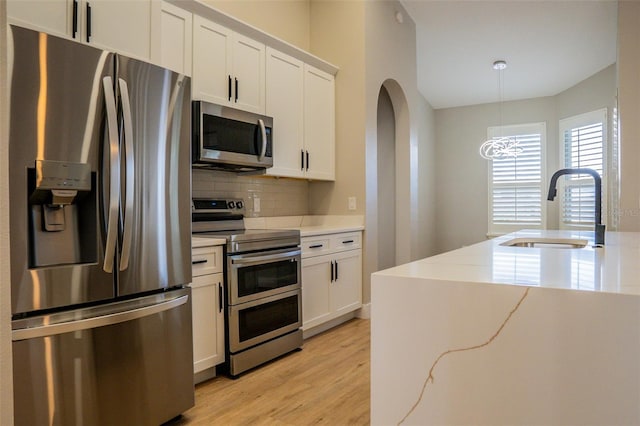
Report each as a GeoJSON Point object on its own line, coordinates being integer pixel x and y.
{"type": "Point", "coordinates": [502, 146]}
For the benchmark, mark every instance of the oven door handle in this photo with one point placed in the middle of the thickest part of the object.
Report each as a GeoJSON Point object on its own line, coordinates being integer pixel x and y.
{"type": "Point", "coordinates": [248, 260]}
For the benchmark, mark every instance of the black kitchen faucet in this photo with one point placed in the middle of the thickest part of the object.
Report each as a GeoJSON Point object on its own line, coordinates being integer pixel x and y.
{"type": "Point", "coordinates": [599, 227]}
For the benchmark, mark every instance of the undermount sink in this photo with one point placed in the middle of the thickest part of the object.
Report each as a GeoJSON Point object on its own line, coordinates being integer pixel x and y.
{"type": "Point", "coordinates": [566, 243]}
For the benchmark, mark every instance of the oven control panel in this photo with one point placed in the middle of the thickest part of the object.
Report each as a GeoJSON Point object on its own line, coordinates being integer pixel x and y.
{"type": "Point", "coordinates": [217, 205]}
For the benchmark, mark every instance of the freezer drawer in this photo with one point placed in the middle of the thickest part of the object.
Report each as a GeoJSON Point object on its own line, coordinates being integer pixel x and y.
{"type": "Point", "coordinates": [123, 363]}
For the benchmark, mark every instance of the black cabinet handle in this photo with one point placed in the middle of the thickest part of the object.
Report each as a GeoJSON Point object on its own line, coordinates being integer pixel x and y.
{"type": "Point", "coordinates": [88, 22]}
{"type": "Point", "coordinates": [229, 88]}
{"type": "Point", "coordinates": [196, 262]}
{"type": "Point", "coordinates": [336, 270]}
{"type": "Point", "coordinates": [316, 246]}
{"type": "Point", "coordinates": [302, 159]}
{"type": "Point", "coordinates": [75, 18]}
{"type": "Point", "coordinates": [307, 160]}
{"type": "Point", "coordinates": [332, 271]}
{"type": "Point", "coordinates": [219, 297]}
{"type": "Point", "coordinates": [347, 241]}
{"type": "Point", "coordinates": [236, 89]}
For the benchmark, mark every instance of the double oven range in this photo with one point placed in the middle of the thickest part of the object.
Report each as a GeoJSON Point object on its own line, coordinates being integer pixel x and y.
{"type": "Point", "coordinates": [263, 309]}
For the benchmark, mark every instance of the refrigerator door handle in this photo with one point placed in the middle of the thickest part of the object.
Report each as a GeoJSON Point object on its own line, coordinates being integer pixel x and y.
{"type": "Point", "coordinates": [114, 174]}
{"type": "Point", "coordinates": [127, 232]}
{"type": "Point", "coordinates": [121, 314]}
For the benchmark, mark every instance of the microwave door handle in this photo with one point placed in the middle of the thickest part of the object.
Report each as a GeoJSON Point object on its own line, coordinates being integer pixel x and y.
{"type": "Point", "coordinates": [127, 232]}
{"type": "Point", "coordinates": [263, 132]}
{"type": "Point", "coordinates": [114, 173]}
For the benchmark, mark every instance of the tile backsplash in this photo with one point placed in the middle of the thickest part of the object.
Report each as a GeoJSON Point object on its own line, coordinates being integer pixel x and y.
{"type": "Point", "coordinates": [278, 197]}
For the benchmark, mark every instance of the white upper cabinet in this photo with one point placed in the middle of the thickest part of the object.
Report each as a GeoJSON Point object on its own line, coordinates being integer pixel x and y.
{"type": "Point", "coordinates": [301, 100]}
{"type": "Point", "coordinates": [122, 26]}
{"type": "Point", "coordinates": [248, 60]}
{"type": "Point", "coordinates": [319, 123]}
{"type": "Point", "coordinates": [285, 103]}
{"type": "Point", "coordinates": [228, 68]}
{"type": "Point", "coordinates": [176, 32]}
{"type": "Point", "coordinates": [54, 17]}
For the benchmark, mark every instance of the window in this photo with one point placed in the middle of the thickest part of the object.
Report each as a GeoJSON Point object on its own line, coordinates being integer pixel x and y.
{"type": "Point", "coordinates": [582, 145]}
{"type": "Point", "coordinates": [516, 183]}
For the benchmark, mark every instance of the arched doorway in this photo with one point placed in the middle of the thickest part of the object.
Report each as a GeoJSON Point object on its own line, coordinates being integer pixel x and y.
{"type": "Point", "coordinates": [393, 177]}
{"type": "Point", "coordinates": [386, 181]}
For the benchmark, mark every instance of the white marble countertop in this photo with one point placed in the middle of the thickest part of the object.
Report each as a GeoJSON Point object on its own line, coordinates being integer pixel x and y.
{"type": "Point", "coordinates": [197, 242]}
{"type": "Point", "coordinates": [309, 225]}
{"type": "Point", "coordinates": [614, 268]}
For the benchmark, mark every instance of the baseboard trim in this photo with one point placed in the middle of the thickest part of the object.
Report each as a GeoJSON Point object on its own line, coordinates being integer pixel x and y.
{"type": "Point", "coordinates": [328, 325]}
{"type": "Point", "coordinates": [365, 311]}
{"type": "Point", "coordinates": [204, 375]}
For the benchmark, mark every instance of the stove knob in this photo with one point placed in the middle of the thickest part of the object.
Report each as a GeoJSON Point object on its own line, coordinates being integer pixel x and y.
{"type": "Point", "coordinates": [239, 204]}
{"type": "Point", "coordinates": [231, 205]}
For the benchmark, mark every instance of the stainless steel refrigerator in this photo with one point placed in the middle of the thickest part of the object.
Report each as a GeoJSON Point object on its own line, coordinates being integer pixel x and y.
{"type": "Point", "coordinates": [100, 190]}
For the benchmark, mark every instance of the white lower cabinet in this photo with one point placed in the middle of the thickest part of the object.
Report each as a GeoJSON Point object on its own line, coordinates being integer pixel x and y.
{"type": "Point", "coordinates": [331, 277]}
{"type": "Point", "coordinates": [207, 311]}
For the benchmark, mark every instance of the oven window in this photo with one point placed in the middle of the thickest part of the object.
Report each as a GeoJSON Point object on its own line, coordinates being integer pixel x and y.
{"type": "Point", "coordinates": [267, 276]}
{"type": "Point", "coordinates": [267, 317]}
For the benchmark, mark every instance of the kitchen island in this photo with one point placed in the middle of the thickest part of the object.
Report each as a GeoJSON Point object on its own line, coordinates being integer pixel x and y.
{"type": "Point", "coordinates": [492, 334]}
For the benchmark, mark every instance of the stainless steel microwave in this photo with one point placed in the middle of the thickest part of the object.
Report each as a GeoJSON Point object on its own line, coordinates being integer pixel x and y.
{"type": "Point", "coordinates": [230, 139]}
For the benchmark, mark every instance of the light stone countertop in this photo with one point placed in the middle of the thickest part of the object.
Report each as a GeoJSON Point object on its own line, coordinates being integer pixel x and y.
{"type": "Point", "coordinates": [492, 335]}
{"type": "Point", "coordinates": [309, 225]}
{"type": "Point", "coordinates": [614, 268]}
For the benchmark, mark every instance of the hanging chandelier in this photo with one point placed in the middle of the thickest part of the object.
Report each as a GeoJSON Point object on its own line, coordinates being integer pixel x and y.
{"type": "Point", "coordinates": [502, 146]}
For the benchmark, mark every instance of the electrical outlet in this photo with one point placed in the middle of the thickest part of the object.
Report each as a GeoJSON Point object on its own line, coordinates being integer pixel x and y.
{"type": "Point", "coordinates": [256, 204]}
{"type": "Point", "coordinates": [352, 203]}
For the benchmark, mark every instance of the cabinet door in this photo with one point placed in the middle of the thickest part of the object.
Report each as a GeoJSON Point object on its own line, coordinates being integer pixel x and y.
{"type": "Point", "coordinates": [212, 62]}
{"type": "Point", "coordinates": [316, 300]}
{"type": "Point", "coordinates": [284, 92]}
{"type": "Point", "coordinates": [51, 16]}
{"type": "Point", "coordinates": [248, 58]}
{"type": "Point", "coordinates": [346, 290]}
{"type": "Point", "coordinates": [176, 33]}
{"type": "Point", "coordinates": [208, 322]}
{"type": "Point", "coordinates": [122, 26]}
{"type": "Point", "coordinates": [319, 123]}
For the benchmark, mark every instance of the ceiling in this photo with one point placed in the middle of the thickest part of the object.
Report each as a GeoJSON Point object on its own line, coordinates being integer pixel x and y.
{"type": "Point", "coordinates": [549, 46]}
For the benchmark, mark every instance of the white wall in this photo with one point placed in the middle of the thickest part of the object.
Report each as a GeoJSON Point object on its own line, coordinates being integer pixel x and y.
{"type": "Point", "coordinates": [629, 104]}
{"type": "Point", "coordinates": [285, 19]}
{"type": "Point", "coordinates": [371, 49]}
{"type": "Point", "coordinates": [337, 35]}
{"type": "Point", "coordinates": [597, 92]}
{"type": "Point", "coordinates": [462, 175]}
{"type": "Point", "coordinates": [426, 239]}
{"type": "Point", "coordinates": [6, 380]}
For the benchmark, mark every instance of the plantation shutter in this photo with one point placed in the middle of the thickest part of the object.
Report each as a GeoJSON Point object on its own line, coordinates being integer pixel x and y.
{"type": "Point", "coordinates": [516, 182]}
{"type": "Point", "coordinates": [583, 140]}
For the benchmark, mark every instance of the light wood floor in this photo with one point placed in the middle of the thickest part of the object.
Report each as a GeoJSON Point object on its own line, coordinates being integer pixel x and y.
{"type": "Point", "coordinates": [327, 382]}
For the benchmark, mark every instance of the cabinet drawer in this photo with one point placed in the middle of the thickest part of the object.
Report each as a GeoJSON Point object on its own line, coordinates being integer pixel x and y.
{"type": "Point", "coordinates": [346, 241]}
{"type": "Point", "coordinates": [315, 246]}
{"type": "Point", "coordinates": [206, 260]}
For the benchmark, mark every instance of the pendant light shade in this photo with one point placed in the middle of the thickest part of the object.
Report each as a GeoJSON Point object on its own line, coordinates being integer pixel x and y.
{"type": "Point", "coordinates": [502, 146]}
